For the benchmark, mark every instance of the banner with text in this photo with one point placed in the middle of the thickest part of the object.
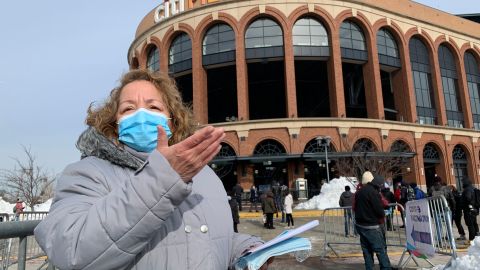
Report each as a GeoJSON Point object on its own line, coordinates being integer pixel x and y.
{"type": "Point", "coordinates": [419, 229]}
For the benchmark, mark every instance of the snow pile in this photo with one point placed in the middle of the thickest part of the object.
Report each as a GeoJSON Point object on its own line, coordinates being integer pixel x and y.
{"type": "Point", "coordinates": [329, 194]}
{"type": "Point", "coordinates": [5, 207]}
{"type": "Point", "coordinates": [43, 207]}
{"type": "Point", "coordinates": [471, 261]}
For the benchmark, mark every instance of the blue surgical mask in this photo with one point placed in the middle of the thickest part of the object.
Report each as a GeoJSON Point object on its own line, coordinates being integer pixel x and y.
{"type": "Point", "coordinates": [139, 129]}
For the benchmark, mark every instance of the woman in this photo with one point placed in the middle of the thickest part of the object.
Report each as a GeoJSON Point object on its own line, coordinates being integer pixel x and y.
{"type": "Point", "coordinates": [141, 197]}
{"type": "Point", "coordinates": [288, 209]}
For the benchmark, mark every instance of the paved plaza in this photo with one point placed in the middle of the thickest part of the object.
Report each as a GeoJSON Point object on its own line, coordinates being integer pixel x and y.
{"type": "Point", "coordinates": [350, 256]}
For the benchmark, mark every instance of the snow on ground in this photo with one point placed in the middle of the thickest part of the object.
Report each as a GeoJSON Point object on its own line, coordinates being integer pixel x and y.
{"type": "Point", "coordinates": [43, 207]}
{"type": "Point", "coordinates": [329, 194]}
{"type": "Point", "coordinates": [471, 261]}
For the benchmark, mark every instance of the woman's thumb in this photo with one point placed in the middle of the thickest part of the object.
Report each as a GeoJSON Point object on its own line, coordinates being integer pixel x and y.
{"type": "Point", "coordinates": [162, 140]}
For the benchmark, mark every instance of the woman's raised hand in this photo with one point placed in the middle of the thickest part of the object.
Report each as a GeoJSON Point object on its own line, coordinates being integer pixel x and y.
{"type": "Point", "coordinates": [189, 156]}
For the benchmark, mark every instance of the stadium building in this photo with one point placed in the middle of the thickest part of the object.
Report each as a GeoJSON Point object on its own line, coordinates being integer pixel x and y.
{"type": "Point", "coordinates": [377, 77]}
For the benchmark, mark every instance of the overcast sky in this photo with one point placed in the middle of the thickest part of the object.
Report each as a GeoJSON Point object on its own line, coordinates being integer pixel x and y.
{"type": "Point", "coordinates": [57, 56]}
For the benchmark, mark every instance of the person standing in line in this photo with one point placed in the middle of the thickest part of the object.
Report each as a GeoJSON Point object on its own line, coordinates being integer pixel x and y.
{"type": "Point", "coordinates": [269, 208]}
{"type": "Point", "coordinates": [237, 195]}
{"type": "Point", "coordinates": [390, 198]}
{"type": "Point", "coordinates": [398, 198]}
{"type": "Point", "coordinates": [235, 214]}
{"type": "Point", "coordinates": [253, 198]}
{"type": "Point", "coordinates": [288, 206]}
{"type": "Point", "coordinates": [18, 209]}
{"type": "Point", "coordinates": [457, 212]}
{"type": "Point", "coordinates": [346, 200]}
{"type": "Point", "coordinates": [369, 212]}
{"type": "Point", "coordinates": [469, 211]}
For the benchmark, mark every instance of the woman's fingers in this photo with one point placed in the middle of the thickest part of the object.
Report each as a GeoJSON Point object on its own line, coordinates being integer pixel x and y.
{"type": "Point", "coordinates": [188, 157]}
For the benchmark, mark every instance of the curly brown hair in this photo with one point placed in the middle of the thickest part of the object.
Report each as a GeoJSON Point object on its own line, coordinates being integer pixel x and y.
{"type": "Point", "coordinates": [103, 118]}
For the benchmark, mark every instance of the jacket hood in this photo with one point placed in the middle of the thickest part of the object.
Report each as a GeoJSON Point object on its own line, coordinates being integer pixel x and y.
{"type": "Point", "coordinates": [92, 143]}
{"type": "Point", "coordinates": [378, 181]}
{"type": "Point", "coordinates": [466, 182]}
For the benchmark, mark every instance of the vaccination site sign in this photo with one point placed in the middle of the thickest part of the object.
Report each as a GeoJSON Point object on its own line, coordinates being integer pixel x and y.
{"type": "Point", "coordinates": [419, 229]}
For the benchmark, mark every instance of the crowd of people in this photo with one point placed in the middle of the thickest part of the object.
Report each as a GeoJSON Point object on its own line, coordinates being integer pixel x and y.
{"type": "Point", "coordinates": [277, 199]}
{"type": "Point", "coordinates": [373, 205]}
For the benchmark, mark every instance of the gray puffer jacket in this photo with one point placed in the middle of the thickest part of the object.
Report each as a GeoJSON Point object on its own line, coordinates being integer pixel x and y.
{"type": "Point", "coordinates": [121, 209]}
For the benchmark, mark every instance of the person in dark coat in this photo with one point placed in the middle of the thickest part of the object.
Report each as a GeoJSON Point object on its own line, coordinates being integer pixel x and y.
{"type": "Point", "coordinates": [457, 212]}
{"type": "Point", "coordinates": [253, 198]}
{"type": "Point", "coordinates": [269, 208]}
{"type": "Point", "coordinates": [346, 200]}
{"type": "Point", "coordinates": [237, 195]}
{"type": "Point", "coordinates": [469, 211]}
{"type": "Point", "coordinates": [369, 212]}
{"type": "Point", "coordinates": [235, 213]}
{"type": "Point", "coordinates": [388, 195]}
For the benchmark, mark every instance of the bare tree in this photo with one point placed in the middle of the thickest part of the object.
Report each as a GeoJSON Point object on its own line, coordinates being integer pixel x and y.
{"type": "Point", "coordinates": [363, 156]}
{"type": "Point", "coordinates": [27, 180]}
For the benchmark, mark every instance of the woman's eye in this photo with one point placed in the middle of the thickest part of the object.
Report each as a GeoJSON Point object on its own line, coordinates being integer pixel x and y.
{"type": "Point", "coordinates": [127, 109]}
{"type": "Point", "coordinates": [155, 107]}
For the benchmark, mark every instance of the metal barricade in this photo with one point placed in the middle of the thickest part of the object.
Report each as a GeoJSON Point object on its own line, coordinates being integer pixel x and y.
{"type": "Point", "coordinates": [442, 233]}
{"type": "Point", "coordinates": [339, 229]}
{"type": "Point", "coordinates": [21, 247]}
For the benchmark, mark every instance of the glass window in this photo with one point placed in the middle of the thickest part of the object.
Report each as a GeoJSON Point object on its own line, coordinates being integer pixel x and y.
{"type": "Point", "coordinates": [153, 62]}
{"type": "Point", "coordinates": [351, 36]}
{"type": "Point", "coordinates": [219, 38]}
{"type": "Point", "coordinates": [180, 50]}
{"type": "Point", "coordinates": [309, 32]}
{"type": "Point", "coordinates": [263, 33]}
{"type": "Point", "coordinates": [426, 112]}
{"type": "Point", "coordinates": [450, 89]}
{"type": "Point", "coordinates": [386, 44]}
{"type": "Point", "coordinates": [473, 81]}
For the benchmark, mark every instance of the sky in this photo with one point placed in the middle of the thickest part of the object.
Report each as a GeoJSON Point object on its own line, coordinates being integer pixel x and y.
{"type": "Point", "coordinates": [58, 56]}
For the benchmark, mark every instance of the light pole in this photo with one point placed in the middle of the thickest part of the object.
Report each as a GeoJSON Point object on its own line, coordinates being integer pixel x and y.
{"type": "Point", "coordinates": [325, 142]}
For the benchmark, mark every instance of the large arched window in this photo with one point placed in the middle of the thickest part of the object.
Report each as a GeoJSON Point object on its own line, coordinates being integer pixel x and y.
{"type": "Point", "coordinates": [180, 54]}
{"type": "Point", "coordinates": [310, 38]}
{"type": "Point", "coordinates": [269, 148]}
{"type": "Point", "coordinates": [431, 154]}
{"type": "Point", "coordinates": [314, 147]}
{"type": "Point", "coordinates": [218, 45]}
{"type": "Point", "coordinates": [422, 81]}
{"type": "Point", "coordinates": [387, 49]}
{"type": "Point", "coordinates": [448, 71]}
{"type": "Point", "coordinates": [473, 81]}
{"type": "Point", "coordinates": [352, 41]}
{"type": "Point", "coordinates": [389, 59]}
{"type": "Point", "coordinates": [364, 145]}
{"type": "Point", "coordinates": [153, 62]}
{"type": "Point", "coordinates": [400, 146]}
{"type": "Point", "coordinates": [263, 39]}
{"type": "Point", "coordinates": [266, 70]}
{"type": "Point", "coordinates": [354, 55]}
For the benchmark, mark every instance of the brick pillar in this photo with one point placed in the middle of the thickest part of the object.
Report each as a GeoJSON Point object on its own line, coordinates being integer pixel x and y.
{"type": "Point", "coordinates": [242, 78]}
{"type": "Point", "coordinates": [290, 86]}
{"type": "Point", "coordinates": [373, 85]}
{"type": "Point", "coordinates": [408, 92]}
{"type": "Point", "coordinates": [438, 91]}
{"type": "Point", "coordinates": [199, 78]}
{"type": "Point", "coordinates": [335, 79]}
